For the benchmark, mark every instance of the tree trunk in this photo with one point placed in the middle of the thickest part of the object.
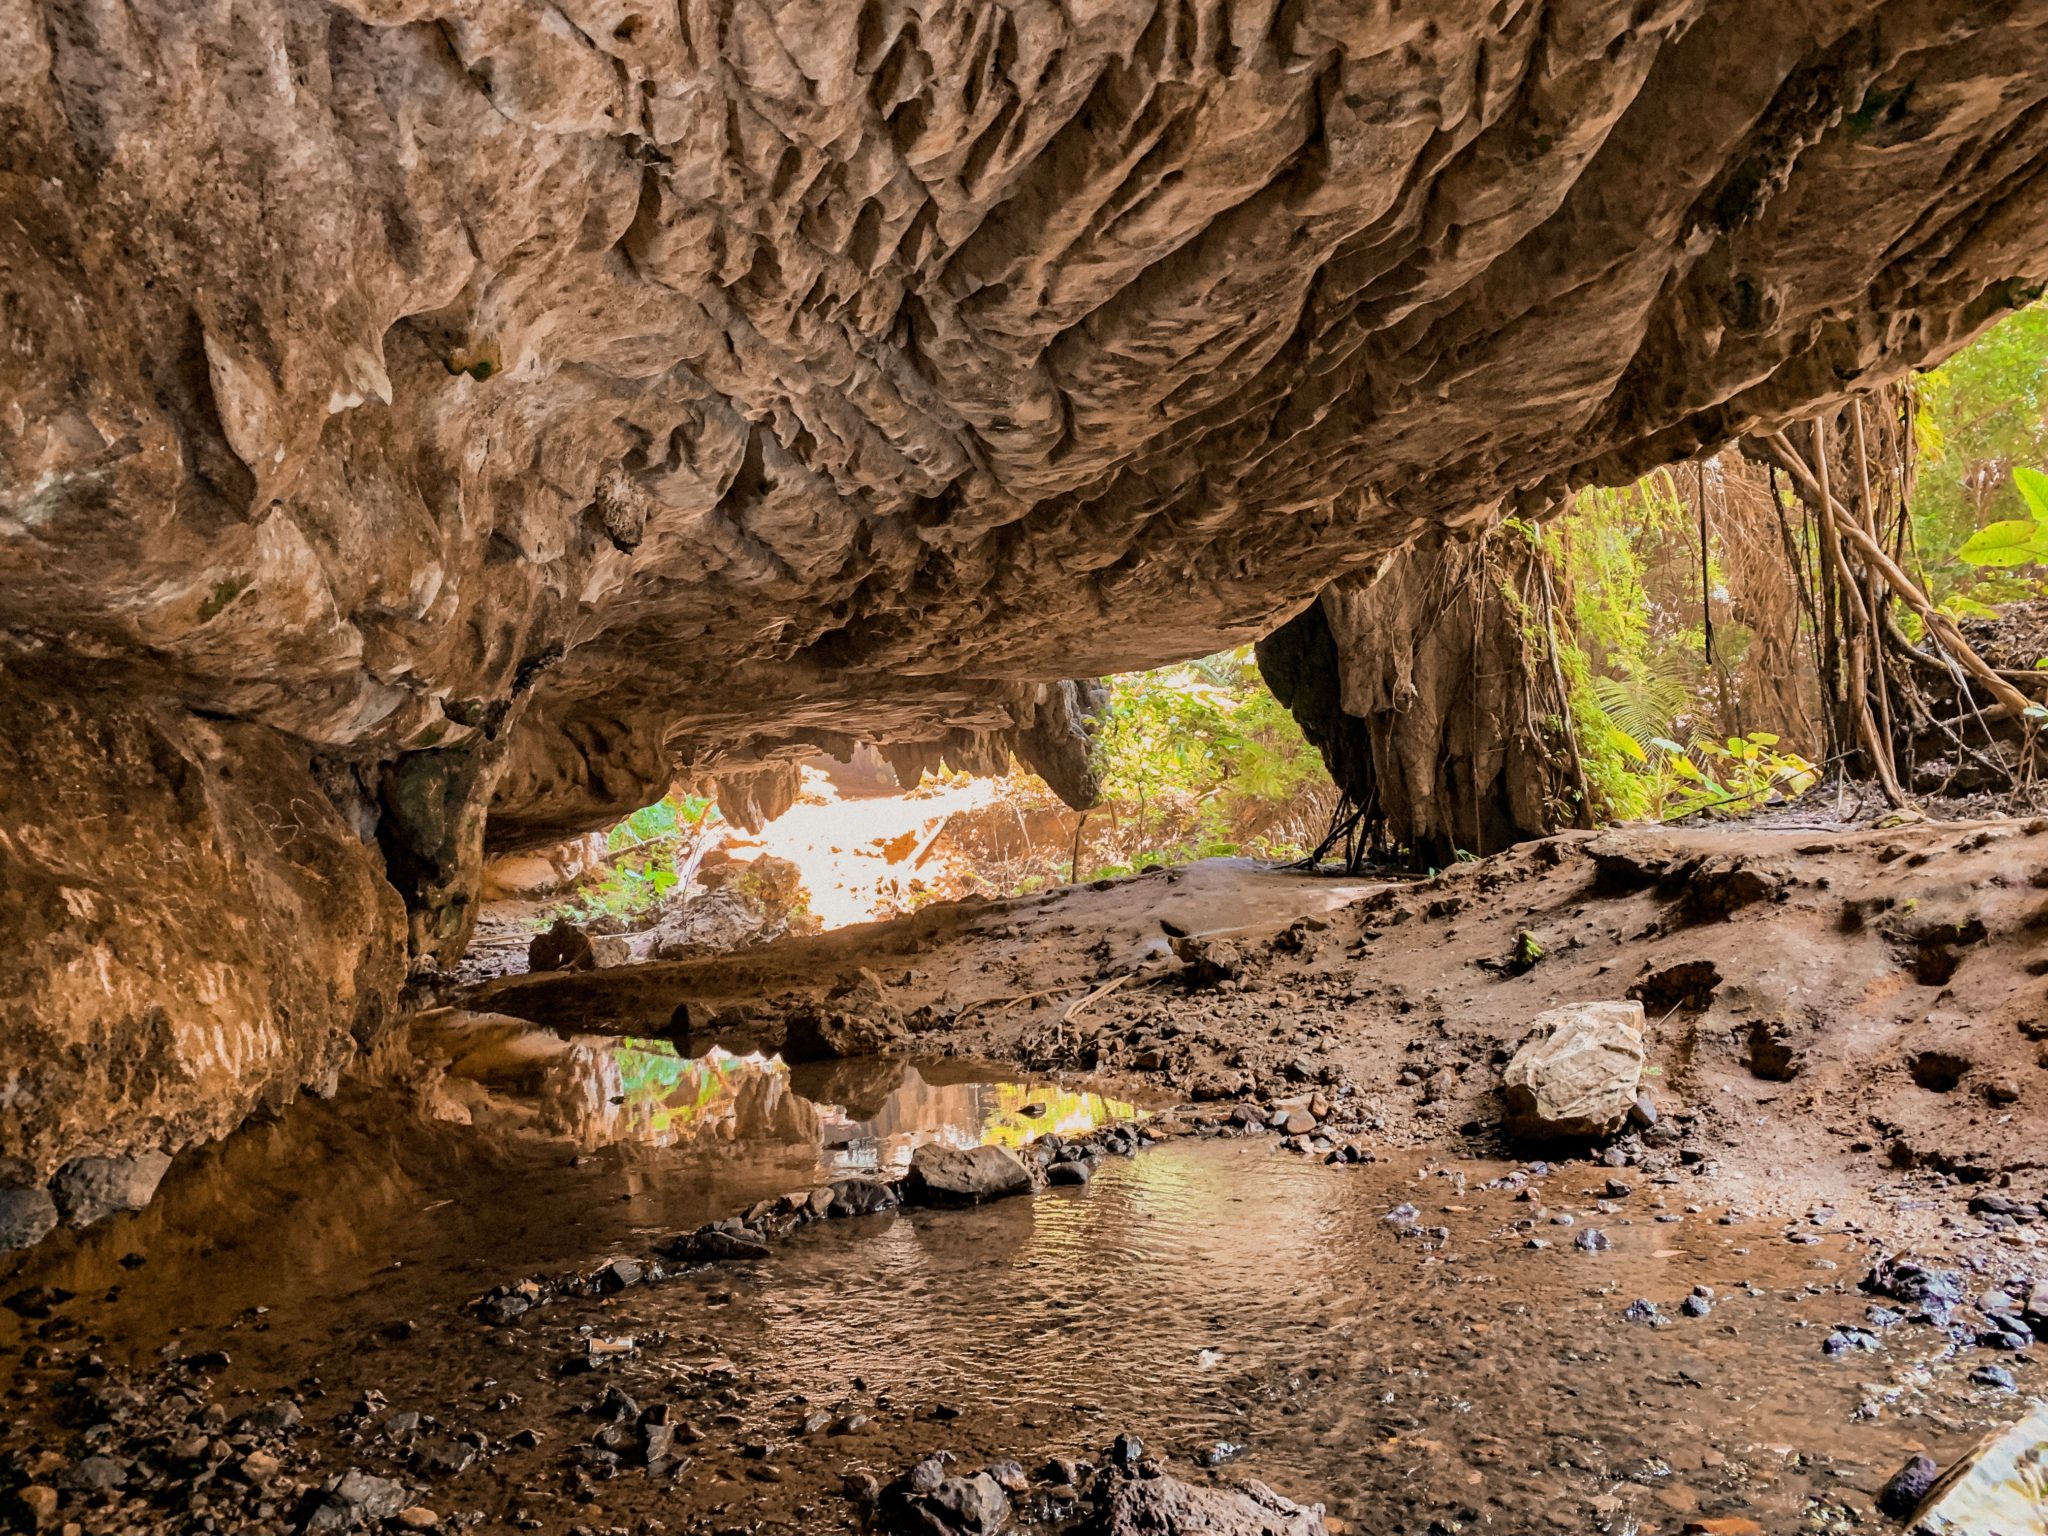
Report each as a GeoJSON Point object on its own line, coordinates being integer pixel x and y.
{"type": "Point", "coordinates": [1433, 693]}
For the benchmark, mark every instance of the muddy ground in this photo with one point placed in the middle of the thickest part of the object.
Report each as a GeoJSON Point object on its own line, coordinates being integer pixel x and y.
{"type": "Point", "coordinates": [1396, 1312]}
{"type": "Point", "coordinates": [1848, 1006]}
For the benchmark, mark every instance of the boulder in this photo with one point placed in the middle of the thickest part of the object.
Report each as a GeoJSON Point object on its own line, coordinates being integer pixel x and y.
{"type": "Point", "coordinates": [564, 947]}
{"type": "Point", "coordinates": [1577, 1072]}
{"type": "Point", "coordinates": [963, 1175]}
{"type": "Point", "coordinates": [1135, 1505]}
{"type": "Point", "coordinates": [89, 1188]}
{"type": "Point", "coordinates": [853, 1020]}
{"type": "Point", "coordinates": [2000, 1487]}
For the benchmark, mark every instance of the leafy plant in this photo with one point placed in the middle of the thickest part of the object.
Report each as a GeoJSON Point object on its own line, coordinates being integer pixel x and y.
{"type": "Point", "coordinates": [2013, 541]}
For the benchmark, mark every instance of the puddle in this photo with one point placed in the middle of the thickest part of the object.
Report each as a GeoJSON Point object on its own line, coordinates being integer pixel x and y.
{"type": "Point", "coordinates": [867, 1116]}
{"type": "Point", "coordinates": [1220, 1298]}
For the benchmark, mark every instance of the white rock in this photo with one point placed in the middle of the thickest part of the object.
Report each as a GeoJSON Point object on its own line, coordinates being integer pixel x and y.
{"type": "Point", "coordinates": [1577, 1072]}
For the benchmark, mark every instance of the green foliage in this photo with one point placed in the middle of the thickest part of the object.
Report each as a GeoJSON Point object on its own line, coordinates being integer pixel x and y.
{"type": "Point", "coordinates": [645, 851]}
{"type": "Point", "coordinates": [2013, 541]}
{"type": "Point", "coordinates": [1198, 760]}
{"type": "Point", "coordinates": [1982, 419]}
{"type": "Point", "coordinates": [1636, 675]}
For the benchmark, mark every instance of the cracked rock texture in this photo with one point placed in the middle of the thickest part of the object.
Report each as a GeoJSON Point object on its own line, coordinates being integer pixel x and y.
{"type": "Point", "coordinates": [481, 411]}
{"type": "Point", "coordinates": [192, 932]}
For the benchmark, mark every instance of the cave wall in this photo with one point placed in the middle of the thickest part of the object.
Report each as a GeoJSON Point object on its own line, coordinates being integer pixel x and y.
{"type": "Point", "coordinates": [193, 931]}
{"type": "Point", "coordinates": [501, 406]}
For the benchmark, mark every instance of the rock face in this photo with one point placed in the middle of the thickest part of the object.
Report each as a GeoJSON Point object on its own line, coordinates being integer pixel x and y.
{"type": "Point", "coordinates": [1578, 1073]}
{"type": "Point", "coordinates": [462, 419]}
{"type": "Point", "coordinates": [194, 930]}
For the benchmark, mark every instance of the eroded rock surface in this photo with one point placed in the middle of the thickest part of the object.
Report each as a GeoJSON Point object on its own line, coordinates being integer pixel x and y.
{"type": "Point", "coordinates": [193, 931]}
{"type": "Point", "coordinates": [468, 416]}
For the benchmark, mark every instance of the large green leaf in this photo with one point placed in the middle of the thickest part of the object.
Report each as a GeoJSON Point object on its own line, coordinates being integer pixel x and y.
{"type": "Point", "coordinates": [1999, 546]}
{"type": "Point", "coordinates": [2033, 489]}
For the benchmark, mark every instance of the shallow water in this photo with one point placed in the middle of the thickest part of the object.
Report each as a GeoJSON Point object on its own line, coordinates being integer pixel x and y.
{"type": "Point", "coordinates": [1216, 1296]}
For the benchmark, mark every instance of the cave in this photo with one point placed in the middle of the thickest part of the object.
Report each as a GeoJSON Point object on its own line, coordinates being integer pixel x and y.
{"type": "Point", "coordinates": [431, 433]}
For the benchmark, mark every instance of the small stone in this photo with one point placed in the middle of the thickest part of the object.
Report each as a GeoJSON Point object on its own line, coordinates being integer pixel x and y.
{"type": "Point", "coordinates": [1592, 1240]}
{"type": "Point", "coordinates": [418, 1517]}
{"type": "Point", "coordinates": [1908, 1486]}
{"type": "Point", "coordinates": [27, 1216]}
{"type": "Point", "coordinates": [39, 1503]}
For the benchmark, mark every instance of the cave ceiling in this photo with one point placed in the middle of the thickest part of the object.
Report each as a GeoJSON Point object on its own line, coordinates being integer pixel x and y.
{"type": "Point", "coordinates": [654, 387]}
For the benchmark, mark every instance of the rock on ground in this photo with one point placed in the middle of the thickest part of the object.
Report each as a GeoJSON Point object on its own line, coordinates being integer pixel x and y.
{"type": "Point", "coordinates": [963, 1175]}
{"type": "Point", "coordinates": [1166, 1506]}
{"type": "Point", "coordinates": [1999, 1489]}
{"type": "Point", "coordinates": [89, 1188]}
{"type": "Point", "coordinates": [1577, 1074]}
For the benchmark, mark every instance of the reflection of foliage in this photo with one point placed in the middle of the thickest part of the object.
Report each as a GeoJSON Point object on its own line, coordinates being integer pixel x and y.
{"type": "Point", "coordinates": [666, 1096]}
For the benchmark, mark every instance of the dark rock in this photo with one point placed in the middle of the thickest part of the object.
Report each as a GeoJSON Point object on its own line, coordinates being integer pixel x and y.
{"type": "Point", "coordinates": [274, 1418]}
{"type": "Point", "coordinates": [714, 1245]}
{"type": "Point", "coordinates": [1996, 1376]}
{"type": "Point", "coordinates": [1642, 1310]}
{"type": "Point", "coordinates": [1126, 1451]}
{"type": "Point", "coordinates": [1689, 985]}
{"type": "Point", "coordinates": [1907, 1487]}
{"type": "Point", "coordinates": [88, 1189]}
{"type": "Point", "coordinates": [2005, 1330]}
{"type": "Point", "coordinates": [1008, 1475]}
{"type": "Point", "coordinates": [1723, 884]}
{"type": "Point", "coordinates": [1209, 962]}
{"type": "Point", "coordinates": [855, 1020]}
{"type": "Point", "coordinates": [616, 1276]}
{"type": "Point", "coordinates": [1078, 1171]}
{"type": "Point", "coordinates": [1848, 1339]}
{"type": "Point", "coordinates": [1772, 1054]}
{"type": "Point", "coordinates": [1127, 1505]}
{"type": "Point", "coordinates": [1591, 1240]}
{"type": "Point", "coordinates": [94, 1474]}
{"type": "Point", "coordinates": [564, 947]}
{"type": "Point", "coordinates": [963, 1176]}
{"type": "Point", "coordinates": [862, 1197]}
{"type": "Point", "coordinates": [1932, 1292]}
{"type": "Point", "coordinates": [1696, 1306]}
{"type": "Point", "coordinates": [354, 1499]}
{"type": "Point", "coordinates": [27, 1216]}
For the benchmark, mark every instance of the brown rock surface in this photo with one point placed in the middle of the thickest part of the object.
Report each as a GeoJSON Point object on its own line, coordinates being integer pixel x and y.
{"type": "Point", "coordinates": [193, 931]}
{"type": "Point", "coordinates": [662, 388]}
{"type": "Point", "coordinates": [500, 408]}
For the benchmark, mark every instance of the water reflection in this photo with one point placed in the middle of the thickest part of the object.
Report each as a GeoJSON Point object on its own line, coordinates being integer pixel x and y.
{"type": "Point", "coordinates": [864, 1116]}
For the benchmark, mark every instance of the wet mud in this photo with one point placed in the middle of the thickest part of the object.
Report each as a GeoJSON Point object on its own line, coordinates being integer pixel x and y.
{"type": "Point", "coordinates": [1421, 1345]}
